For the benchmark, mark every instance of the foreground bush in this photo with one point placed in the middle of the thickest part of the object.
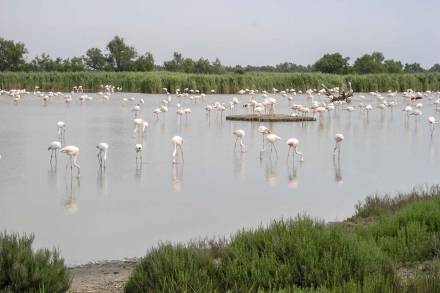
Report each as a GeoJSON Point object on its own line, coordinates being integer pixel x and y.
{"type": "Point", "coordinates": [306, 255]}
{"type": "Point", "coordinates": [23, 270]}
{"type": "Point", "coordinates": [173, 269]}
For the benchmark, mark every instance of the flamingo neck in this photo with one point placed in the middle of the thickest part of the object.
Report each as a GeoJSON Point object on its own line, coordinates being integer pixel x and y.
{"type": "Point", "coordinates": [175, 150]}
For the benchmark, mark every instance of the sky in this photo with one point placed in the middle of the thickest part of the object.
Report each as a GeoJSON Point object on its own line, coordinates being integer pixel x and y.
{"type": "Point", "coordinates": [257, 32]}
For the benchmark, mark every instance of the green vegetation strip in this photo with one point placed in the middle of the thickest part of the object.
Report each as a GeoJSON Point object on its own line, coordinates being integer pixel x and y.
{"type": "Point", "coordinates": [366, 253]}
{"type": "Point", "coordinates": [228, 83]}
{"type": "Point", "coordinates": [270, 118]}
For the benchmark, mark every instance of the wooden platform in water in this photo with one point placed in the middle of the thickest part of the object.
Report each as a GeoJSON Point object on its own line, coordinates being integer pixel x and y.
{"type": "Point", "coordinates": [270, 118]}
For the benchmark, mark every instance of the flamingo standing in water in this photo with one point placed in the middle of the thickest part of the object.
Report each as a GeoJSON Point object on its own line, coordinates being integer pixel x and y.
{"type": "Point", "coordinates": [432, 121]}
{"type": "Point", "coordinates": [138, 149]}
{"type": "Point", "coordinates": [136, 109]}
{"type": "Point", "coordinates": [102, 154]}
{"type": "Point", "coordinates": [53, 148]}
{"type": "Point", "coordinates": [339, 137]}
{"type": "Point", "coordinates": [61, 130]}
{"type": "Point", "coordinates": [264, 131]}
{"type": "Point", "coordinates": [239, 135]}
{"type": "Point", "coordinates": [272, 139]}
{"type": "Point", "coordinates": [178, 142]}
{"type": "Point", "coordinates": [139, 126]}
{"type": "Point", "coordinates": [293, 143]}
{"type": "Point", "coordinates": [71, 151]}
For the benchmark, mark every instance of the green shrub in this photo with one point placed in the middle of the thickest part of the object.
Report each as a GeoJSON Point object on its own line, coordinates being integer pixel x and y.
{"type": "Point", "coordinates": [173, 269]}
{"type": "Point", "coordinates": [300, 252]}
{"type": "Point", "coordinates": [23, 270]}
{"type": "Point", "coordinates": [306, 255]}
{"type": "Point", "coordinates": [410, 234]}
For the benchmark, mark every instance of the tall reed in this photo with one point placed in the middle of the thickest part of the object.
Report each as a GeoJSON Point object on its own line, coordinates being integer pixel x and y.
{"type": "Point", "coordinates": [228, 83]}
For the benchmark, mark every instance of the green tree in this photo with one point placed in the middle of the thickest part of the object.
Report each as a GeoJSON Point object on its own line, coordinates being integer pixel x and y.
{"type": "Point", "coordinates": [413, 68]}
{"type": "Point", "coordinates": [175, 64]}
{"type": "Point", "coordinates": [393, 66]}
{"type": "Point", "coordinates": [43, 63]}
{"type": "Point", "coordinates": [121, 55]}
{"type": "Point", "coordinates": [332, 63]}
{"type": "Point", "coordinates": [11, 55]}
{"type": "Point", "coordinates": [369, 63]}
{"type": "Point", "coordinates": [144, 62]}
{"type": "Point", "coordinates": [188, 65]}
{"type": "Point", "coordinates": [73, 64]}
{"type": "Point", "coordinates": [217, 67]}
{"type": "Point", "coordinates": [95, 59]}
{"type": "Point", "coordinates": [202, 66]}
{"type": "Point", "coordinates": [435, 68]}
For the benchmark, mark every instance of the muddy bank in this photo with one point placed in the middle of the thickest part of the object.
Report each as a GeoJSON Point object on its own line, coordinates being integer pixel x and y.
{"type": "Point", "coordinates": [106, 276]}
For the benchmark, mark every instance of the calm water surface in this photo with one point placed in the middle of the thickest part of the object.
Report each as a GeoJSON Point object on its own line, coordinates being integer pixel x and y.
{"type": "Point", "coordinates": [125, 211]}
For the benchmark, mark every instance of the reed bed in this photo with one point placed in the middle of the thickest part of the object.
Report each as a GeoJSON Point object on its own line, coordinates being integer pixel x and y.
{"type": "Point", "coordinates": [228, 83]}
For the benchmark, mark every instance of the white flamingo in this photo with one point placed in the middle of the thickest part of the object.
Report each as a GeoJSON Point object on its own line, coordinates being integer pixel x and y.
{"type": "Point", "coordinates": [138, 149]}
{"type": "Point", "coordinates": [432, 121]}
{"type": "Point", "coordinates": [339, 137]}
{"type": "Point", "coordinates": [73, 152]}
{"type": "Point", "coordinates": [293, 144]}
{"type": "Point", "coordinates": [264, 131]}
{"type": "Point", "coordinates": [54, 146]}
{"type": "Point", "coordinates": [139, 126]}
{"type": "Point", "coordinates": [102, 154]}
{"type": "Point", "coordinates": [272, 139]}
{"type": "Point", "coordinates": [61, 130]}
{"type": "Point", "coordinates": [239, 135]}
{"type": "Point", "coordinates": [177, 142]}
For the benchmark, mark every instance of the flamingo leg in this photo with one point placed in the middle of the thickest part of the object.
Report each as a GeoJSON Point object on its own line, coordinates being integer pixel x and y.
{"type": "Point", "coordinates": [181, 152]}
{"type": "Point", "coordinates": [235, 144]}
{"type": "Point", "coordinates": [76, 165]}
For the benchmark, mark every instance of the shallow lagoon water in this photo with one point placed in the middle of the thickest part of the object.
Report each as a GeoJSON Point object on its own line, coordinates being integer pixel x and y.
{"type": "Point", "coordinates": [125, 211]}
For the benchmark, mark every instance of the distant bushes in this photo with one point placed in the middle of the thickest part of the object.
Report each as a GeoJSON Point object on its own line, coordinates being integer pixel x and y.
{"type": "Point", "coordinates": [228, 83]}
{"type": "Point", "coordinates": [307, 255]}
{"type": "Point", "coordinates": [23, 270]}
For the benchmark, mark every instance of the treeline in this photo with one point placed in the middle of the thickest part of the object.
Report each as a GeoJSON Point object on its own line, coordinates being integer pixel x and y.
{"type": "Point", "coordinates": [119, 56]}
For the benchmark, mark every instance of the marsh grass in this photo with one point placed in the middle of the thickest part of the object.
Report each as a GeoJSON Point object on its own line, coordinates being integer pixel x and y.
{"type": "Point", "coordinates": [307, 255]}
{"type": "Point", "coordinates": [228, 83]}
{"type": "Point", "coordinates": [25, 270]}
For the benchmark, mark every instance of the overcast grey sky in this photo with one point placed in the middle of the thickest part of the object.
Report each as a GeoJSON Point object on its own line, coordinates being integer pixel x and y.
{"type": "Point", "coordinates": [243, 32]}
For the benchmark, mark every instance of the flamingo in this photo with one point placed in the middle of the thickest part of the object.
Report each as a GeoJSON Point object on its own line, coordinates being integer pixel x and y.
{"type": "Point", "coordinates": [156, 113]}
{"type": "Point", "coordinates": [264, 131]}
{"type": "Point", "coordinates": [61, 130]}
{"type": "Point", "coordinates": [102, 154]}
{"type": "Point", "coordinates": [187, 111]}
{"type": "Point", "coordinates": [72, 151]}
{"type": "Point", "coordinates": [432, 121]}
{"type": "Point", "coordinates": [272, 139]}
{"type": "Point", "coordinates": [54, 146]}
{"type": "Point", "coordinates": [136, 109]}
{"type": "Point", "coordinates": [138, 149]}
{"type": "Point", "coordinates": [339, 137]}
{"type": "Point", "coordinates": [178, 142]}
{"type": "Point", "coordinates": [239, 134]}
{"type": "Point", "coordinates": [293, 143]}
{"type": "Point", "coordinates": [139, 126]}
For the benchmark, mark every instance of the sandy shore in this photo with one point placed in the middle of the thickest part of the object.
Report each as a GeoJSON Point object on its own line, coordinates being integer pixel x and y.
{"type": "Point", "coordinates": [107, 276]}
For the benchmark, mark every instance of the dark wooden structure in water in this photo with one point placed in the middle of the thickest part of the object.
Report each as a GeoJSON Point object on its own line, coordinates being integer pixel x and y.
{"type": "Point", "coordinates": [270, 118]}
